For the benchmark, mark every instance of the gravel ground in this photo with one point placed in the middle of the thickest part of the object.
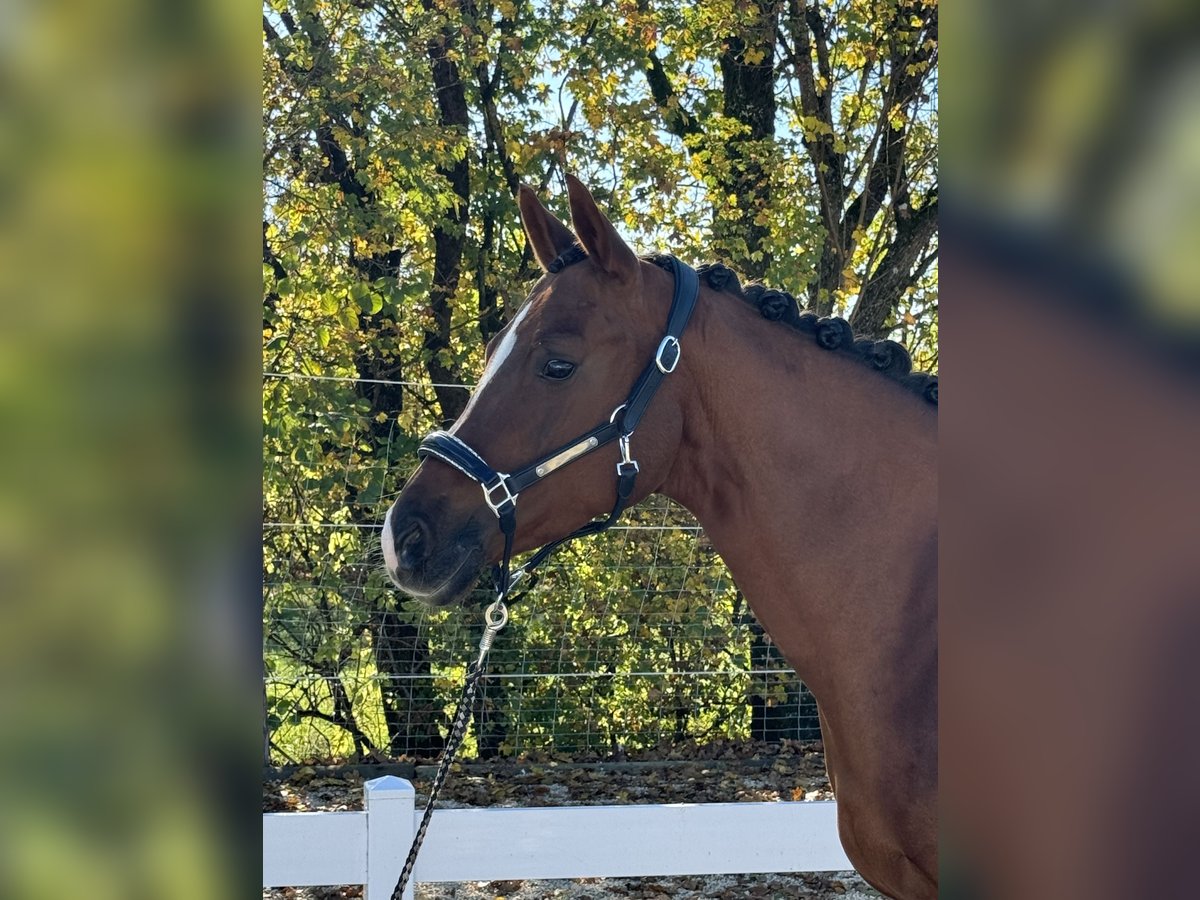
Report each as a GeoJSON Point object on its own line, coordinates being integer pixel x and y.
{"type": "Point", "coordinates": [826, 886]}
{"type": "Point", "coordinates": [713, 773]}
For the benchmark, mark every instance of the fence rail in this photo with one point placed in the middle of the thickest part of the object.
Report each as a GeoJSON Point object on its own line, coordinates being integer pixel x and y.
{"type": "Point", "coordinates": [368, 848]}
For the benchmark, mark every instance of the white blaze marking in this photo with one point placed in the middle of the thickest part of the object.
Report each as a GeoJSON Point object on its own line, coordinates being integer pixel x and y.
{"type": "Point", "coordinates": [387, 538]}
{"type": "Point", "coordinates": [389, 542]}
{"type": "Point", "coordinates": [502, 353]}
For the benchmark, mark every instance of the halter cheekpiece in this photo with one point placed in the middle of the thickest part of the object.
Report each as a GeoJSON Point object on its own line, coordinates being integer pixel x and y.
{"type": "Point", "coordinates": [501, 490]}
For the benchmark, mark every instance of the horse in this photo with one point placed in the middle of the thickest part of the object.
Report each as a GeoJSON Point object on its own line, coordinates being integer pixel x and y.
{"type": "Point", "coordinates": [814, 477]}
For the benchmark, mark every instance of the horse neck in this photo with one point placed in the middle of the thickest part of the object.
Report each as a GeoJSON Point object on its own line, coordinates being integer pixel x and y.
{"type": "Point", "coordinates": [815, 479]}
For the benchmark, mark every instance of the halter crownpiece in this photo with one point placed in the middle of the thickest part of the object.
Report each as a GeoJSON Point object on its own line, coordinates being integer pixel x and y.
{"type": "Point", "coordinates": [501, 490]}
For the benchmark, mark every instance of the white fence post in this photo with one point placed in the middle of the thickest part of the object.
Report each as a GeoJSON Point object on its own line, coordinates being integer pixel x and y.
{"type": "Point", "coordinates": [390, 803]}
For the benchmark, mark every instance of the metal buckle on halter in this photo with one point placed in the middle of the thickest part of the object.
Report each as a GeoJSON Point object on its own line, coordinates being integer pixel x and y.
{"type": "Point", "coordinates": [626, 459]}
{"type": "Point", "coordinates": [516, 577]}
{"type": "Point", "coordinates": [623, 443]}
{"type": "Point", "coordinates": [666, 364]}
{"type": "Point", "coordinates": [509, 498]}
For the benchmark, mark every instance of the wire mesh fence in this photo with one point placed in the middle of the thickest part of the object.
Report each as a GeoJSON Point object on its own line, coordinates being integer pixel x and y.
{"type": "Point", "coordinates": [634, 640]}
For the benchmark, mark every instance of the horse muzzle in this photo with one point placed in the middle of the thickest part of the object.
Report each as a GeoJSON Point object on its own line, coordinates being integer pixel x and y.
{"type": "Point", "coordinates": [435, 570]}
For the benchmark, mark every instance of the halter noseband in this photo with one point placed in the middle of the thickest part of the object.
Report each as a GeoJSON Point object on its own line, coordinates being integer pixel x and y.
{"type": "Point", "coordinates": [501, 490]}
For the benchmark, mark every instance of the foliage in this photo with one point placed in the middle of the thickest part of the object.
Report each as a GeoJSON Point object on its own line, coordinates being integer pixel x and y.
{"type": "Point", "coordinates": [796, 141]}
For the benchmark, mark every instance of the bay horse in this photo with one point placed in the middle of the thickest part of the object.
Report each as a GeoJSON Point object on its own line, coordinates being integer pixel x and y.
{"type": "Point", "coordinates": [814, 477]}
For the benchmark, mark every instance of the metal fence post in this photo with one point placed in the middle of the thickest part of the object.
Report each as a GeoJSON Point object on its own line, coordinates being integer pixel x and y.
{"type": "Point", "coordinates": [390, 804]}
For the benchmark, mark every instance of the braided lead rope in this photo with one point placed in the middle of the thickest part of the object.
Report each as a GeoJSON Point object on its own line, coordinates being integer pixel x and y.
{"type": "Point", "coordinates": [496, 616]}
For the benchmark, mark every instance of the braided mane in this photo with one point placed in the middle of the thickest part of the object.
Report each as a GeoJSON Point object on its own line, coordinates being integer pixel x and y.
{"type": "Point", "coordinates": [830, 332]}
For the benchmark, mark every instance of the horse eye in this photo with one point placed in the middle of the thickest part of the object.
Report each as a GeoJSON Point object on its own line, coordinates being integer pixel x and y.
{"type": "Point", "coordinates": [558, 369]}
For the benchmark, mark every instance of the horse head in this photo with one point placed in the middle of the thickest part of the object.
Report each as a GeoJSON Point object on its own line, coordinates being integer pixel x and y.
{"type": "Point", "coordinates": [564, 363]}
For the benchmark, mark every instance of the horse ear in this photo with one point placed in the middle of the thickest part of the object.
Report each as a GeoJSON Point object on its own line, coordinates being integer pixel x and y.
{"type": "Point", "coordinates": [548, 236]}
{"type": "Point", "coordinates": [597, 234]}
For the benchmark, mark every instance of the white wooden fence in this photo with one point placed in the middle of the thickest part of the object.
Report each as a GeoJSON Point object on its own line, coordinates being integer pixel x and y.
{"type": "Point", "coordinates": [368, 848]}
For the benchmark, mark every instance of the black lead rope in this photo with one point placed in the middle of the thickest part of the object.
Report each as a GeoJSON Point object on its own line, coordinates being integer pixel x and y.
{"type": "Point", "coordinates": [501, 491]}
{"type": "Point", "coordinates": [496, 616]}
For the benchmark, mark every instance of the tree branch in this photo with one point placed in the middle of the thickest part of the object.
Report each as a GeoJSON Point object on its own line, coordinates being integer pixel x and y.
{"type": "Point", "coordinates": [893, 277]}
{"type": "Point", "coordinates": [675, 117]}
{"type": "Point", "coordinates": [887, 170]}
{"type": "Point", "coordinates": [270, 258]}
{"type": "Point", "coordinates": [886, 173]}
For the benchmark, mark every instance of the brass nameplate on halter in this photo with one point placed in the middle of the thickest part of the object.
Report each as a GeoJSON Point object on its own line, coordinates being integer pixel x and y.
{"type": "Point", "coordinates": [566, 456]}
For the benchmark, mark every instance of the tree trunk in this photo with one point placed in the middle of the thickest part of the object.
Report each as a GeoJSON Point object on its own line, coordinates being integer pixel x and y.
{"type": "Point", "coordinates": [748, 73]}
{"type": "Point", "coordinates": [412, 710]}
{"type": "Point", "coordinates": [450, 234]}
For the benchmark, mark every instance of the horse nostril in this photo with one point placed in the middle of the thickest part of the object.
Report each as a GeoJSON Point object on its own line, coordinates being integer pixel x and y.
{"type": "Point", "coordinates": [410, 545]}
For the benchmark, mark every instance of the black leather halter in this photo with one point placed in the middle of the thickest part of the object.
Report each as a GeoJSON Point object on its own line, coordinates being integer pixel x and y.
{"type": "Point", "coordinates": [501, 490]}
